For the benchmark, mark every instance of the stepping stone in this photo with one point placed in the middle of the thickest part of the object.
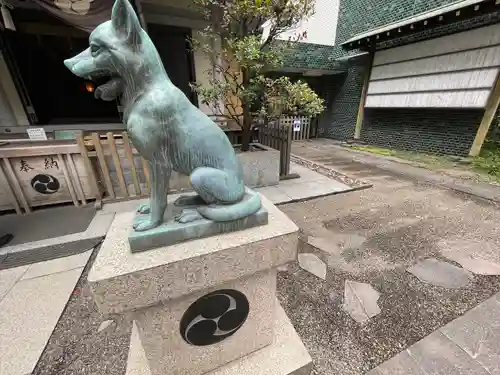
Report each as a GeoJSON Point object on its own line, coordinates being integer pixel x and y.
{"type": "Point", "coordinates": [352, 241]}
{"type": "Point", "coordinates": [438, 273]}
{"type": "Point", "coordinates": [476, 265]}
{"type": "Point", "coordinates": [326, 244]}
{"type": "Point", "coordinates": [104, 325]}
{"type": "Point", "coordinates": [360, 301]}
{"type": "Point", "coordinates": [311, 263]}
{"type": "Point", "coordinates": [334, 243]}
{"type": "Point", "coordinates": [282, 268]}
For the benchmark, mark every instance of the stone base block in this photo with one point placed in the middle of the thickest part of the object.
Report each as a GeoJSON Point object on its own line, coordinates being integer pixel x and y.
{"type": "Point", "coordinates": [200, 304]}
{"type": "Point", "coordinates": [122, 281]}
{"type": "Point", "coordinates": [216, 327]}
{"type": "Point", "coordinates": [285, 356]}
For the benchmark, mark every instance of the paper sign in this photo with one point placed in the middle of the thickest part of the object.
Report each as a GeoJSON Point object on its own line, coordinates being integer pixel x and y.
{"type": "Point", "coordinates": [37, 134]}
{"type": "Point", "coordinates": [296, 125]}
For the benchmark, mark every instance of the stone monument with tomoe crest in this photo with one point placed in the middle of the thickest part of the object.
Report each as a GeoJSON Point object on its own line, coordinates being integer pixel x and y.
{"type": "Point", "coordinates": [201, 304]}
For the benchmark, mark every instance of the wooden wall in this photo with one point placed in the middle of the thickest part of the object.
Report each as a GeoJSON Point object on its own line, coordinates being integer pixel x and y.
{"type": "Point", "coordinates": [454, 71]}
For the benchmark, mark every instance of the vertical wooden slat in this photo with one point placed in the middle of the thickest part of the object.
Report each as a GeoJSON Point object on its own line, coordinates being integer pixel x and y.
{"type": "Point", "coordinates": [362, 100]}
{"type": "Point", "coordinates": [282, 150]}
{"type": "Point", "coordinates": [88, 167]}
{"type": "Point", "coordinates": [284, 140]}
{"type": "Point", "coordinates": [17, 186]}
{"type": "Point", "coordinates": [283, 153]}
{"type": "Point", "coordinates": [116, 161]}
{"type": "Point", "coordinates": [102, 162]}
{"type": "Point", "coordinates": [489, 114]}
{"type": "Point", "coordinates": [6, 187]}
{"type": "Point", "coordinates": [301, 135]}
{"type": "Point", "coordinates": [76, 178]}
{"type": "Point", "coordinates": [277, 138]}
{"type": "Point", "coordinates": [145, 168]}
{"type": "Point", "coordinates": [130, 157]}
{"type": "Point", "coordinates": [69, 182]}
{"type": "Point", "coordinates": [273, 137]}
{"type": "Point", "coordinates": [288, 152]}
{"type": "Point", "coordinates": [302, 125]}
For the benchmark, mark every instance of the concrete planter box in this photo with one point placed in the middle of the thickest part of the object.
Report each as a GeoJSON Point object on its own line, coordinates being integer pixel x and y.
{"type": "Point", "coordinates": [261, 167]}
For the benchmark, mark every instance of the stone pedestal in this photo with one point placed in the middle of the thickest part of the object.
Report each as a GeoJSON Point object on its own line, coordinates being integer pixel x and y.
{"type": "Point", "coordinates": [206, 306]}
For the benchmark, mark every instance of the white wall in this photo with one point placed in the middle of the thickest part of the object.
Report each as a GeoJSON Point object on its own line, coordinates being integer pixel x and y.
{"type": "Point", "coordinates": [202, 66]}
{"type": "Point", "coordinates": [454, 71]}
{"type": "Point", "coordinates": [321, 27]}
{"type": "Point", "coordinates": [11, 108]}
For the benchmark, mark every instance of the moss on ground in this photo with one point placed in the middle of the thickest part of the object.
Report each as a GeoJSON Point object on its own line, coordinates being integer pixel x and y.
{"type": "Point", "coordinates": [488, 162]}
{"type": "Point", "coordinates": [484, 168]}
{"type": "Point", "coordinates": [431, 161]}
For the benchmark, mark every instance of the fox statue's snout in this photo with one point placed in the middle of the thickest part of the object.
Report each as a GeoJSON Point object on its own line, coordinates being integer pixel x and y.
{"type": "Point", "coordinates": [81, 65]}
{"type": "Point", "coordinates": [112, 52]}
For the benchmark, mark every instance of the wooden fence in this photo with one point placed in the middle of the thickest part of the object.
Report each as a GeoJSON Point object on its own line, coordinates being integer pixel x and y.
{"type": "Point", "coordinates": [38, 173]}
{"type": "Point", "coordinates": [278, 136]}
{"type": "Point", "coordinates": [119, 169]}
{"type": "Point", "coordinates": [300, 125]}
{"type": "Point", "coordinates": [122, 174]}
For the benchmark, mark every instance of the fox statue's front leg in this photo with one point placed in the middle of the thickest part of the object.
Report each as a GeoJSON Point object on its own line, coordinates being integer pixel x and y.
{"type": "Point", "coordinates": [160, 179]}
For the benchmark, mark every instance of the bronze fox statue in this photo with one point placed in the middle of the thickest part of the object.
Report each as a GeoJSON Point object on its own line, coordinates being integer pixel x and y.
{"type": "Point", "coordinates": [164, 126]}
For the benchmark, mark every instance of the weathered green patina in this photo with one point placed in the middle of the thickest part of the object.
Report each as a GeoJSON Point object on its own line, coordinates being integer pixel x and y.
{"type": "Point", "coordinates": [167, 130]}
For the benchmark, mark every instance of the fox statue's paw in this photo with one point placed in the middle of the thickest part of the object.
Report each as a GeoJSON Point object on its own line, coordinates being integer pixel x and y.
{"type": "Point", "coordinates": [144, 208]}
{"type": "Point", "coordinates": [146, 224]}
{"type": "Point", "coordinates": [187, 216]}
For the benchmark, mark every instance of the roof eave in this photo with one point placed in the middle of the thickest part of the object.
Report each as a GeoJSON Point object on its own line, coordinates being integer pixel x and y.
{"type": "Point", "coordinates": [452, 13]}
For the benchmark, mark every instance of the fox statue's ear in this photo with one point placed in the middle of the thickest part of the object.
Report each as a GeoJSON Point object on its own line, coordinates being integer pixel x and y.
{"type": "Point", "coordinates": [125, 22]}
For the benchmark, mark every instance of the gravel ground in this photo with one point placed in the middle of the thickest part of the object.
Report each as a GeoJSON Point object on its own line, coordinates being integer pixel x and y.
{"type": "Point", "coordinates": [77, 348]}
{"type": "Point", "coordinates": [374, 235]}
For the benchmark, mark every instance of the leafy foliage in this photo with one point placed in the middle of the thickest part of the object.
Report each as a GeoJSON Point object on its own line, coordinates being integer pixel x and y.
{"type": "Point", "coordinates": [489, 159]}
{"type": "Point", "coordinates": [241, 52]}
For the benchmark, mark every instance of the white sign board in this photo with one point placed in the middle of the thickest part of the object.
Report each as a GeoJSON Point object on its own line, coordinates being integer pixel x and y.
{"type": "Point", "coordinates": [296, 125]}
{"type": "Point", "coordinates": [37, 134]}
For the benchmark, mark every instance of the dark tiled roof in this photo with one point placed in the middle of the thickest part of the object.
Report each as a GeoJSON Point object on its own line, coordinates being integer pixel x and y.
{"type": "Point", "coordinates": [312, 56]}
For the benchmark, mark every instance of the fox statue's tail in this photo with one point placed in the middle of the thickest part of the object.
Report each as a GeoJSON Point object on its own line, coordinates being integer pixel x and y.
{"type": "Point", "coordinates": [246, 207]}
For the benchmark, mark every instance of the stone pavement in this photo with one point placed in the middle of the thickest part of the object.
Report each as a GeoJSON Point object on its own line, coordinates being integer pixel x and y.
{"type": "Point", "coordinates": [52, 233]}
{"type": "Point", "coordinates": [381, 269]}
{"type": "Point", "coordinates": [45, 223]}
{"type": "Point", "coordinates": [467, 345]}
{"type": "Point", "coordinates": [310, 185]}
{"type": "Point", "coordinates": [31, 301]}
{"type": "Point", "coordinates": [333, 154]}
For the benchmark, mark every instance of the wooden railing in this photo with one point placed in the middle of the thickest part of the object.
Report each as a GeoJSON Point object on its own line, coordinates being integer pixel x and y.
{"type": "Point", "coordinates": [120, 171]}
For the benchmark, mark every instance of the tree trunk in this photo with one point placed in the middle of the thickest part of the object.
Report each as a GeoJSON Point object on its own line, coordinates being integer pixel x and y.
{"type": "Point", "coordinates": [247, 116]}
